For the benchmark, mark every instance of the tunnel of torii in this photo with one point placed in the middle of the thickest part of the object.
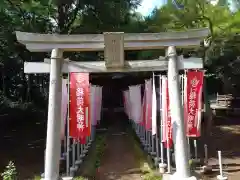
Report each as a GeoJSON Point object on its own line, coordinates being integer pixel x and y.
{"type": "Point", "coordinates": [113, 44]}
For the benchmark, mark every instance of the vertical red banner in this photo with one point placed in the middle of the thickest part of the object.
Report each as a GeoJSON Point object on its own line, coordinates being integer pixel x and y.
{"type": "Point", "coordinates": [193, 103]}
{"type": "Point", "coordinates": [148, 115]}
{"type": "Point", "coordinates": [167, 121]}
{"type": "Point", "coordinates": [80, 120]}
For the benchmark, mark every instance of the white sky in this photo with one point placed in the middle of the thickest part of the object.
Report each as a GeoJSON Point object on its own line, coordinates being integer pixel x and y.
{"type": "Point", "coordinates": [148, 5]}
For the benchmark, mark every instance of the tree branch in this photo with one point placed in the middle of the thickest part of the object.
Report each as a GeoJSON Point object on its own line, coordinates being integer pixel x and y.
{"type": "Point", "coordinates": [16, 7]}
{"type": "Point", "coordinates": [210, 23]}
{"type": "Point", "coordinates": [74, 16]}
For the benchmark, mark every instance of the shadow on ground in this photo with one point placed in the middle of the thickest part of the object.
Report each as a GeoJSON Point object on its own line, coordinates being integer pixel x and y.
{"type": "Point", "coordinates": [22, 141]}
{"type": "Point", "coordinates": [119, 160]}
{"type": "Point", "coordinates": [225, 138]}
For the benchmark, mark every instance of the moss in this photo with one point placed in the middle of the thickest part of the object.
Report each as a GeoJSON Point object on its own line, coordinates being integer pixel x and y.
{"type": "Point", "coordinates": [93, 160]}
{"type": "Point", "coordinates": [144, 161]}
{"type": "Point", "coordinates": [37, 178]}
{"type": "Point", "coordinates": [151, 176]}
{"type": "Point", "coordinates": [80, 178]}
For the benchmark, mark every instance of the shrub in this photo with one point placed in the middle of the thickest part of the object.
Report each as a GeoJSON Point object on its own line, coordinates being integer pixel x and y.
{"type": "Point", "coordinates": [10, 172]}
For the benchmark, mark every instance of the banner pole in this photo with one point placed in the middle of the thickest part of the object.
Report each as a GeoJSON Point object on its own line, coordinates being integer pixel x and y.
{"type": "Point", "coordinates": [82, 151]}
{"type": "Point", "coordinates": [78, 151]}
{"type": "Point", "coordinates": [162, 165]}
{"type": "Point", "coordinates": [146, 140]}
{"type": "Point", "coordinates": [162, 156]}
{"type": "Point", "coordinates": [146, 119]}
{"type": "Point", "coordinates": [73, 168]}
{"type": "Point", "coordinates": [161, 120]}
{"type": "Point", "coordinates": [68, 129]}
{"type": "Point", "coordinates": [157, 149]}
{"type": "Point", "coordinates": [153, 147]}
{"type": "Point", "coordinates": [195, 149]}
{"type": "Point", "coordinates": [148, 149]}
{"type": "Point", "coordinates": [168, 160]}
{"type": "Point", "coordinates": [189, 149]}
{"type": "Point", "coordinates": [139, 132]}
{"type": "Point", "coordinates": [185, 96]}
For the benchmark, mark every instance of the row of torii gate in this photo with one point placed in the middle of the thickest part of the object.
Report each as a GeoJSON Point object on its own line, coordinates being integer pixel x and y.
{"type": "Point", "coordinates": [113, 44]}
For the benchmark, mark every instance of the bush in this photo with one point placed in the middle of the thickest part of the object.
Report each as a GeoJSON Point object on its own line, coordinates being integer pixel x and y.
{"type": "Point", "coordinates": [10, 172]}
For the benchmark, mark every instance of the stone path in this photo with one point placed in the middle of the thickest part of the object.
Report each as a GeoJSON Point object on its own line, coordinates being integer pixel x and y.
{"type": "Point", "coordinates": [119, 161]}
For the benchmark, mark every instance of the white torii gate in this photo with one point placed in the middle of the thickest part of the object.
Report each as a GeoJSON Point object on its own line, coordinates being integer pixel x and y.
{"type": "Point", "coordinates": [113, 45]}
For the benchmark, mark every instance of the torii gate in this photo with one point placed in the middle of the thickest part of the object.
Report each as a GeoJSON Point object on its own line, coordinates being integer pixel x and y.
{"type": "Point", "coordinates": [113, 44]}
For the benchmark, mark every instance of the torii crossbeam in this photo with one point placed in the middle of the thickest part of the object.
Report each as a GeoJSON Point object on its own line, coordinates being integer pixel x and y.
{"type": "Point", "coordinates": [113, 45]}
{"type": "Point", "coordinates": [160, 64]}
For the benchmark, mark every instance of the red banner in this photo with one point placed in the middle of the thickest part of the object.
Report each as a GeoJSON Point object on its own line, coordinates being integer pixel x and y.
{"type": "Point", "coordinates": [193, 103]}
{"type": "Point", "coordinates": [80, 125]}
{"type": "Point", "coordinates": [148, 115]}
{"type": "Point", "coordinates": [167, 122]}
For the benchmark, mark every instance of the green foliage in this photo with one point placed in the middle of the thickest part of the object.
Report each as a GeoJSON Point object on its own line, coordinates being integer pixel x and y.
{"type": "Point", "coordinates": [9, 172]}
{"type": "Point", "coordinates": [44, 16]}
{"type": "Point", "coordinates": [144, 161]}
{"type": "Point", "coordinates": [80, 178]}
{"type": "Point", "coordinates": [88, 16]}
{"type": "Point", "coordinates": [151, 176]}
{"type": "Point", "coordinates": [93, 160]}
{"type": "Point", "coordinates": [37, 178]}
{"type": "Point", "coordinates": [100, 147]}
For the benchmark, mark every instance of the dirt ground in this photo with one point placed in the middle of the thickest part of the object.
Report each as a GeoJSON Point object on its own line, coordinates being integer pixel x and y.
{"type": "Point", "coordinates": [24, 142]}
{"type": "Point", "coordinates": [119, 161]}
{"type": "Point", "coordinates": [226, 138]}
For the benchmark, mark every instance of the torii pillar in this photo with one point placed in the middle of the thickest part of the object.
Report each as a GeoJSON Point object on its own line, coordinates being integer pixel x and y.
{"type": "Point", "coordinates": [179, 137]}
{"type": "Point", "coordinates": [53, 143]}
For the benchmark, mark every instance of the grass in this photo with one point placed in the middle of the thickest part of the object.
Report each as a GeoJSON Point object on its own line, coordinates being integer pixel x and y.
{"type": "Point", "coordinates": [37, 178]}
{"type": "Point", "coordinates": [144, 161]}
{"type": "Point", "coordinates": [152, 176]}
{"type": "Point", "coordinates": [93, 159]}
{"type": "Point", "coordinates": [80, 178]}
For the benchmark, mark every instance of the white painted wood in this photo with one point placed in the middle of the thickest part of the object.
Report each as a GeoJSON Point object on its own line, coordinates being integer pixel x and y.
{"type": "Point", "coordinates": [95, 42]}
{"type": "Point", "coordinates": [99, 66]}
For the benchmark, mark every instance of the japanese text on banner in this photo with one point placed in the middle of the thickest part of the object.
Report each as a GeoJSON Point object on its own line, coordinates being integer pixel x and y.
{"type": "Point", "coordinates": [79, 106]}
{"type": "Point", "coordinates": [194, 102]}
{"type": "Point", "coordinates": [169, 120]}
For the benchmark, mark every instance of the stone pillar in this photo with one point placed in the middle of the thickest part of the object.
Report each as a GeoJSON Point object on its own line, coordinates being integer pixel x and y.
{"type": "Point", "coordinates": [179, 137]}
{"type": "Point", "coordinates": [53, 143]}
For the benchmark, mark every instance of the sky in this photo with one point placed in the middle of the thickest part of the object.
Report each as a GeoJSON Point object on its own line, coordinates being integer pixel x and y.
{"type": "Point", "coordinates": [148, 5]}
